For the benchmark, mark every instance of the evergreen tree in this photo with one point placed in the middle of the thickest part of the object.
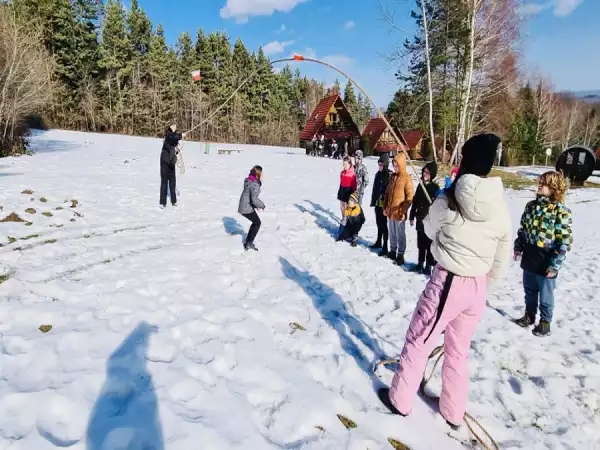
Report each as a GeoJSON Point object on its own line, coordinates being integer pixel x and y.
{"type": "Point", "coordinates": [140, 30]}
{"type": "Point", "coordinates": [350, 99]}
{"type": "Point", "coordinates": [114, 59]}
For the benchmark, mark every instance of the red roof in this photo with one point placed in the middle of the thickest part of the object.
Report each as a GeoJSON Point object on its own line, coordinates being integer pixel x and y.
{"type": "Point", "coordinates": [412, 138]}
{"type": "Point", "coordinates": [317, 118]}
{"type": "Point", "coordinates": [374, 129]}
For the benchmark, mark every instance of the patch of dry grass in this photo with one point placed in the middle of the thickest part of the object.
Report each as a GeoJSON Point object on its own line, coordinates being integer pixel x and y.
{"type": "Point", "coordinates": [30, 211]}
{"type": "Point", "coordinates": [12, 217]}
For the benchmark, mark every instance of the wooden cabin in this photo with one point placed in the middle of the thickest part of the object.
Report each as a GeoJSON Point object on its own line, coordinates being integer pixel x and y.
{"type": "Point", "coordinates": [332, 119]}
{"type": "Point", "coordinates": [380, 139]}
{"type": "Point", "coordinates": [415, 143]}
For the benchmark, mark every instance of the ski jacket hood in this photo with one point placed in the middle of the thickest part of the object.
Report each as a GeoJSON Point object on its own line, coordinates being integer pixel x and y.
{"type": "Point", "coordinates": [474, 241]}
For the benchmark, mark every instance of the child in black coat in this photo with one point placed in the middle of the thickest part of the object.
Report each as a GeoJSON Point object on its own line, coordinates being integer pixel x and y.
{"type": "Point", "coordinates": [419, 210]}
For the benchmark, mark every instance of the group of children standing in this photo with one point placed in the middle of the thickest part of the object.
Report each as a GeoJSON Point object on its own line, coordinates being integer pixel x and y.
{"type": "Point", "coordinates": [464, 242]}
{"type": "Point", "coordinates": [467, 231]}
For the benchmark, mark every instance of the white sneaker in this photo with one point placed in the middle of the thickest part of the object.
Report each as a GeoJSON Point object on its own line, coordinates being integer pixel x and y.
{"type": "Point", "coordinates": [175, 204]}
{"type": "Point", "coordinates": [162, 206]}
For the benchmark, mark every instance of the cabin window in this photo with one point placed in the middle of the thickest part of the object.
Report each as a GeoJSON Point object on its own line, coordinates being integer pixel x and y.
{"type": "Point", "coordinates": [582, 156]}
{"type": "Point", "coordinates": [333, 117]}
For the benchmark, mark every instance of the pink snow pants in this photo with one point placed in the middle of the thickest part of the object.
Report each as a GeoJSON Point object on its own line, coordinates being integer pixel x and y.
{"type": "Point", "coordinates": [454, 304]}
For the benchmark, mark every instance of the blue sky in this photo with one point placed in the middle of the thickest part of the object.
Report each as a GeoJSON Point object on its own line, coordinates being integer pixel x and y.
{"type": "Point", "coordinates": [561, 38]}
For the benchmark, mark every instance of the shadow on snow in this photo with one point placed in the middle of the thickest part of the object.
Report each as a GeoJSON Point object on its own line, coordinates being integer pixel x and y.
{"type": "Point", "coordinates": [332, 309]}
{"type": "Point", "coordinates": [326, 220]}
{"type": "Point", "coordinates": [233, 227]}
{"type": "Point", "coordinates": [126, 412]}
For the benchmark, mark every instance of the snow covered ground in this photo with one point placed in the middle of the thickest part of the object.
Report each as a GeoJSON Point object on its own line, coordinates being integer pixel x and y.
{"type": "Point", "coordinates": [535, 171]}
{"type": "Point", "coordinates": [166, 335]}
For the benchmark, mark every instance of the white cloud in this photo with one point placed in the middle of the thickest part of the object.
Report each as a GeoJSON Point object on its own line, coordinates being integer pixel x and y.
{"type": "Point", "coordinates": [242, 10]}
{"type": "Point", "coordinates": [560, 8]}
{"type": "Point", "coordinates": [338, 60]}
{"type": "Point", "coordinates": [349, 25]}
{"type": "Point", "coordinates": [307, 53]}
{"type": "Point", "coordinates": [276, 47]}
{"type": "Point", "coordinates": [563, 8]}
{"type": "Point", "coordinates": [282, 28]}
{"type": "Point", "coordinates": [533, 9]}
{"type": "Point", "coordinates": [335, 60]}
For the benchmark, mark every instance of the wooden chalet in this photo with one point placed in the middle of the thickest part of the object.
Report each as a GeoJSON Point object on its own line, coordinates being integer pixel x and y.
{"type": "Point", "coordinates": [380, 139]}
{"type": "Point", "coordinates": [332, 119]}
{"type": "Point", "coordinates": [415, 143]}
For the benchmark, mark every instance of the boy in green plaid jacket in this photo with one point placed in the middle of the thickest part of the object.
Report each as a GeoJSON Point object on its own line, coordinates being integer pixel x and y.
{"type": "Point", "coordinates": [543, 240]}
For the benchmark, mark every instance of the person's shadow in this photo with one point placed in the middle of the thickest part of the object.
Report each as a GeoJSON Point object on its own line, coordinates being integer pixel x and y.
{"type": "Point", "coordinates": [332, 309]}
{"type": "Point", "coordinates": [233, 227]}
{"type": "Point", "coordinates": [125, 415]}
{"type": "Point", "coordinates": [326, 220]}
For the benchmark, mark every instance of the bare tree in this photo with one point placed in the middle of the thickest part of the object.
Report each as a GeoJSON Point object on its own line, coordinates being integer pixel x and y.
{"type": "Point", "coordinates": [25, 77]}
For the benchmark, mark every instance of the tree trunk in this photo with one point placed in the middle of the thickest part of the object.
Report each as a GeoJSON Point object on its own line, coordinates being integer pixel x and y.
{"type": "Point", "coordinates": [468, 81]}
{"type": "Point", "coordinates": [429, 87]}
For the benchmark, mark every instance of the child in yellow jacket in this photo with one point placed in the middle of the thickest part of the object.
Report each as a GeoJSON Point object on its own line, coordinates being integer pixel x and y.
{"type": "Point", "coordinates": [354, 218]}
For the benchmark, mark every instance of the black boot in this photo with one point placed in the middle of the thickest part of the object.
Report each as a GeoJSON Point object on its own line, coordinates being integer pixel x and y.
{"type": "Point", "coordinates": [526, 321]}
{"type": "Point", "coordinates": [542, 330]}
{"type": "Point", "coordinates": [384, 250]}
{"type": "Point", "coordinates": [377, 244]}
{"type": "Point", "coordinates": [400, 260]}
{"type": "Point", "coordinates": [391, 255]}
{"type": "Point", "coordinates": [427, 271]}
{"type": "Point", "coordinates": [250, 246]}
{"type": "Point", "coordinates": [418, 268]}
{"type": "Point", "coordinates": [384, 397]}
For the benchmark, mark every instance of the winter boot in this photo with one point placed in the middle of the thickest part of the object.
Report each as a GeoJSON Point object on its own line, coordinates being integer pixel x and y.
{"type": "Point", "coordinates": [526, 321]}
{"type": "Point", "coordinates": [354, 241]}
{"type": "Point", "coordinates": [542, 330]}
{"type": "Point", "coordinates": [384, 250]}
{"type": "Point", "coordinates": [250, 246]}
{"type": "Point", "coordinates": [418, 268]}
{"type": "Point", "coordinates": [391, 255]}
{"type": "Point", "coordinates": [340, 233]}
{"type": "Point", "coordinates": [377, 245]}
{"type": "Point", "coordinates": [384, 397]}
{"type": "Point", "coordinates": [400, 260]}
{"type": "Point", "coordinates": [427, 271]}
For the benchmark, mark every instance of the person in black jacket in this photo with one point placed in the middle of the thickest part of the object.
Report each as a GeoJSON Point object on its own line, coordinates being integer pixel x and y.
{"type": "Point", "coordinates": [168, 161]}
{"type": "Point", "coordinates": [419, 210]}
{"type": "Point", "coordinates": [377, 199]}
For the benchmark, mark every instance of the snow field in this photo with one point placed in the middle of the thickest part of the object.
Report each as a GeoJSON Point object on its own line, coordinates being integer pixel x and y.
{"type": "Point", "coordinates": [167, 335]}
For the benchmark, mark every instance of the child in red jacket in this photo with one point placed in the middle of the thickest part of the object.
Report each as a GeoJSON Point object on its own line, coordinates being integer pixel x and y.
{"type": "Point", "coordinates": [348, 185]}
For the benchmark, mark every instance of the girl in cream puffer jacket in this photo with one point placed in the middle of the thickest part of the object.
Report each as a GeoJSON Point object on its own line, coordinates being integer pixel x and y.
{"type": "Point", "coordinates": [470, 228]}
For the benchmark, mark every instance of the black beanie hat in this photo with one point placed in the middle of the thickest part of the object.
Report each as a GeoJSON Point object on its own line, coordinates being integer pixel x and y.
{"type": "Point", "coordinates": [479, 154]}
{"type": "Point", "coordinates": [432, 168]}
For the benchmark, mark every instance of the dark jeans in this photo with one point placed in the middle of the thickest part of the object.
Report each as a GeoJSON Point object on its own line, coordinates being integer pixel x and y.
{"type": "Point", "coordinates": [252, 217]}
{"type": "Point", "coordinates": [167, 177]}
{"type": "Point", "coordinates": [539, 290]}
{"type": "Point", "coordinates": [382, 227]}
{"type": "Point", "coordinates": [424, 245]}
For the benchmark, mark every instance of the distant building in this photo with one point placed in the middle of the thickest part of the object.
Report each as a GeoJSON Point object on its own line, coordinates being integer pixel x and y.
{"type": "Point", "coordinates": [380, 139]}
{"type": "Point", "coordinates": [331, 119]}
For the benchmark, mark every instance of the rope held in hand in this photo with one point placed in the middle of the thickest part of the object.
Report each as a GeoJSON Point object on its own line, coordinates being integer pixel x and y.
{"type": "Point", "coordinates": [486, 441]}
